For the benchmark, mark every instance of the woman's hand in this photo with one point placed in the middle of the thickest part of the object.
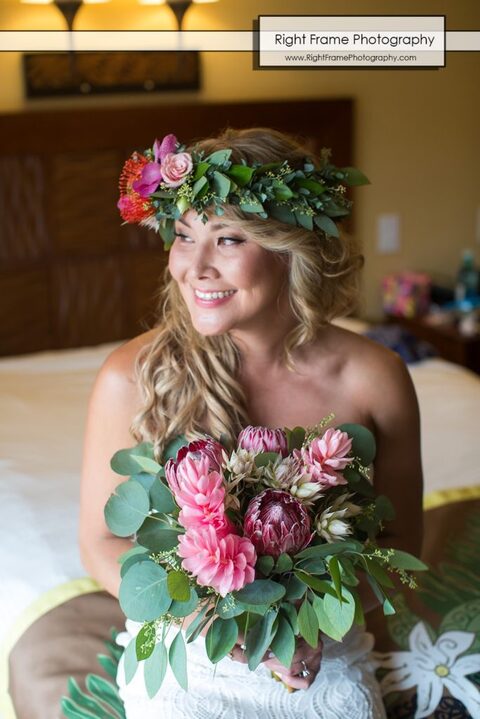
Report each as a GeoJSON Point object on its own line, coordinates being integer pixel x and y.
{"type": "Point", "coordinates": [304, 660]}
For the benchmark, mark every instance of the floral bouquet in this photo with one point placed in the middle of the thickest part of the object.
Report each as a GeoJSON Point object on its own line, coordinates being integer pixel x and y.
{"type": "Point", "coordinates": [266, 542]}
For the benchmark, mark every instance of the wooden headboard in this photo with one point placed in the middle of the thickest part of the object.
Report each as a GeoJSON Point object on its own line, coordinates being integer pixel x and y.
{"type": "Point", "coordinates": [70, 274]}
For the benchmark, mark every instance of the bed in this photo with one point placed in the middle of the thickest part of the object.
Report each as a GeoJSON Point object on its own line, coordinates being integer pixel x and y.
{"type": "Point", "coordinates": [74, 284]}
{"type": "Point", "coordinates": [43, 393]}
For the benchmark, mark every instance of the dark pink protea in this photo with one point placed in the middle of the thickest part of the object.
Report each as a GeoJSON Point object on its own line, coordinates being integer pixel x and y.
{"type": "Point", "coordinates": [263, 439]}
{"type": "Point", "coordinates": [276, 522]}
{"type": "Point", "coordinates": [209, 448]}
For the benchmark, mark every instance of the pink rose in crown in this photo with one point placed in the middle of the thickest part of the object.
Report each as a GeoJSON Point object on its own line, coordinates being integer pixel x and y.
{"type": "Point", "coordinates": [325, 457]}
{"type": "Point", "coordinates": [209, 448]}
{"type": "Point", "coordinates": [175, 168]}
{"type": "Point", "coordinates": [200, 493]}
{"type": "Point", "coordinates": [262, 439]}
{"type": "Point", "coordinates": [276, 522]}
{"type": "Point", "coordinates": [224, 563]}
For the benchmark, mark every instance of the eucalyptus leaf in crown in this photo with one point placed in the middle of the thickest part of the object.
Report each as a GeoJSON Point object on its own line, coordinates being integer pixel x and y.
{"type": "Point", "coordinates": [160, 185]}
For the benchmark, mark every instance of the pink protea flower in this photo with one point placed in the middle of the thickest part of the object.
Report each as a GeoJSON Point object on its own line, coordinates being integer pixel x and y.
{"type": "Point", "coordinates": [325, 457]}
{"type": "Point", "coordinates": [224, 563]}
{"type": "Point", "coordinates": [209, 448]}
{"type": "Point", "coordinates": [263, 439]}
{"type": "Point", "coordinates": [175, 168]}
{"type": "Point", "coordinates": [276, 522]}
{"type": "Point", "coordinates": [200, 493]}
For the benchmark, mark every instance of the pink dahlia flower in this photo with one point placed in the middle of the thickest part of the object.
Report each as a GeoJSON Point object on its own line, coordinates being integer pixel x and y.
{"type": "Point", "coordinates": [325, 457]}
{"type": "Point", "coordinates": [262, 439]}
{"type": "Point", "coordinates": [200, 493]}
{"type": "Point", "coordinates": [224, 563]}
{"type": "Point", "coordinates": [209, 448]}
{"type": "Point", "coordinates": [276, 522]}
{"type": "Point", "coordinates": [175, 168]}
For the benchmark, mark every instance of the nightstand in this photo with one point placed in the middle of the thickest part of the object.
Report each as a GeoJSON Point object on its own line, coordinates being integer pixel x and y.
{"type": "Point", "coordinates": [446, 339]}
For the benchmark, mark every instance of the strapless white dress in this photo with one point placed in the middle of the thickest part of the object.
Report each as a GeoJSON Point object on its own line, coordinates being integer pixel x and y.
{"type": "Point", "coordinates": [344, 688]}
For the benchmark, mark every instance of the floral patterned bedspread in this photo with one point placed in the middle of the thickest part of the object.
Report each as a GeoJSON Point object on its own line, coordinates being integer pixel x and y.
{"type": "Point", "coordinates": [428, 654]}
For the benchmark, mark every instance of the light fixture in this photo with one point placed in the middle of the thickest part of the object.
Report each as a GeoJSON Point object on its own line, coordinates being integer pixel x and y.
{"type": "Point", "coordinates": [178, 7]}
{"type": "Point", "coordinates": [68, 8]}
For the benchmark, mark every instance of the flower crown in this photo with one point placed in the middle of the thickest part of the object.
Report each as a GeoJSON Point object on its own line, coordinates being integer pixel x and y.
{"type": "Point", "coordinates": [159, 186]}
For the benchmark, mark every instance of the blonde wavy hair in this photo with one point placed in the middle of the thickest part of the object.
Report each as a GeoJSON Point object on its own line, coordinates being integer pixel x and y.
{"type": "Point", "coordinates": [188, 381]}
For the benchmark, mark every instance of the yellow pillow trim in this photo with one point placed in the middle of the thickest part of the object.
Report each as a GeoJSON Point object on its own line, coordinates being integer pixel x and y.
{"type": "Point", "coordinates": [47, 601]}
{"type": "Point", "coordinates": [449, 496]}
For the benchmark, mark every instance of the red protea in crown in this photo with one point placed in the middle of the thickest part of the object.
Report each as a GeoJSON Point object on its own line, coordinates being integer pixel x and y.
{"type": "Point", "coordinates": [133, 208]}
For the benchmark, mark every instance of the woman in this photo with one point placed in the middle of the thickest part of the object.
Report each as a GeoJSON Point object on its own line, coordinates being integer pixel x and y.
{"type": "Point", "coordinates": [245, 337]}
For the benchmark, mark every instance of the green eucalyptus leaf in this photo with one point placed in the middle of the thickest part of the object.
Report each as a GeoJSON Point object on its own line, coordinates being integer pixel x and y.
{"type": "Point", "coordinates": [308, 623]}
{"type": "Point", "coordinates": [161, 497]}
{"type": "Point", "coordinates": [157, 536]}
{"type": "Point", "coordinates": [241, 174]}
{"type": "Point", "coordinates": [353, 177]}
{"type": "Point", "coordinates": [312, 565]}
{"type": "Point", "coordinates": [221, 185]}
{"type": "Point", "coordinates": [178, 586]}
{"type": "Point", "coordinates": [130, 661]}
{"type": "Point", "coordinates": [404, 560]}
{"type": "Point", "coordinates": [177, 657]}
{"type": "Point", "coordinates": [283, 564]}
{"type": "Point", "coordinates": [289, 611]}
{"type": "Point", "coordinates": [145, 479]}
{"type": "Point", "coordinates": [327, 225]}
{"type": "Point", "coordinates": [314, 187]}
{"type": "Point", "coordinates": [334, 569]}
{"type": "Point", "coordinates": [196, 626]}
{"type": "Point", "coordinates": [340, 613]}
{"type": "Point", "coordinates": [294, 588]}
{"type": "Point", "coordinates": [376, 569]}
{"type": "Point", "coordinates": [184, 609]}
{"type": "Point", "coordinates": [126, 510]}
{"type": "Point", "coordinates": [200, 170]}
{"type": "Point", "coordinates": [172, 448]}
{"type": "Point", "coordinates": [228, 607]}
{"type": "Point", "coordinates": [304, 220]}
{"type": "Point", "coordinates": [295, 438]}
{"type": "Point", "coordinates": [221, 637]}
{"type": "Point", "coordinates": [324, 623]}
{"type": "Point", "coordinates": [262, 459]}
{"type": "Point", "coordinates": [384, 509]}
{"type": "Point", "coordinates": [265, 564]}
{"type": "Point", "coordinates": [251, 206]}
{"type": "Point", "coordinates": [283, 643]}
{"type": "Point", "coordinates": [261, 591]}
{"type": "Point", "coordinates": [143, 592]}
{"type": "Point", "coordinates": [129, 461]}
{"type": "Point", "coordinates": [320, 551]}
{"type": "Point", "coordinates": [155, 669]}
{"type": "Point", "coordinates": [282, 213]}
{"type": "Point", "coordinates": [145, 641]}
{"type": "Point", "coordinates": [218, 157]}
{"type": "Point", "coordinates": [259, 638]}
{"type": "Point", "coordinates": [199, 185]}
{"type": "Point", "coordinates": [319, 585]}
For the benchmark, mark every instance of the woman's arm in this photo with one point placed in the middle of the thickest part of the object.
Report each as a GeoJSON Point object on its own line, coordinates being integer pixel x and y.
{"type": "Point", "coordinates": [113, 404]}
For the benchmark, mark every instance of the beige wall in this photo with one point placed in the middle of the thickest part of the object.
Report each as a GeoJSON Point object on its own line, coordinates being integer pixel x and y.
{"type": "Point", "coordinates": [417, 132]}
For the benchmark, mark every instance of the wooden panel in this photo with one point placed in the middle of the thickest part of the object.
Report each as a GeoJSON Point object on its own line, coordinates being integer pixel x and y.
{"type": "Point", "coordinates": [88, 302]}
{"type": "Point", "coordinates": [24, 312]}
{"type": "Point", "coordinates": [23, 231]}
{"type": "Point", "coordinates": [144, 279]}
{"type": "Point", "coordinates": [83, 197]}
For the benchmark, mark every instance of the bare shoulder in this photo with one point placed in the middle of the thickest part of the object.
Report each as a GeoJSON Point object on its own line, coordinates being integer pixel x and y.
{"type": "Point", "coordinates": [117, 374]}
{"type": "Point", "coordinates": [377, 377]}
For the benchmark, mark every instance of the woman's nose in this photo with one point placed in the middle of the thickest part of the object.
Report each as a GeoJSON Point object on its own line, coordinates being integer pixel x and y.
{"type": "Point", "coordinates": [203, 262]}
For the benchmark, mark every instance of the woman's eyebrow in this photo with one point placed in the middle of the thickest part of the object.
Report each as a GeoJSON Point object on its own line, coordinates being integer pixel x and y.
{"type": "Point", "coordinates": [216, 226]}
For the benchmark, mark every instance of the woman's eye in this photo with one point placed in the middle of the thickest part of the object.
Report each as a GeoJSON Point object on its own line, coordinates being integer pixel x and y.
{"type": "Point", "coordinates": [229, 241]}
{"type": "Point", "coordinates": [182, 238]}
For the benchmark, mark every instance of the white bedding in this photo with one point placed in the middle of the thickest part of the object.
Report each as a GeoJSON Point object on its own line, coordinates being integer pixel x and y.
{"type": "Point", "coordinates": [43, 400]}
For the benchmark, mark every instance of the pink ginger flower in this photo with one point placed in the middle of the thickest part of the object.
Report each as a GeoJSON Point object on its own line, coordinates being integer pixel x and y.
{"type": "Point", "coordinates": [152, 173]}
{"type": "Point", "coordinates": [200, 493]}
{"type": "Point", "coordinates": [325, 457]}
{"type": "Point", "coordinates": [224, 563]}
{"type": "Point", "coordinates": [209, 448]}
{"type": "Point", "coordinates": [263, 439]}
{"type": "Point", "coordinates": [276, 522]}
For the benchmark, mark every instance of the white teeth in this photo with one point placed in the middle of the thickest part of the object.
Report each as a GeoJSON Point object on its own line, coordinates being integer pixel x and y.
{"type": "Point", "coordinates": [213, 295]}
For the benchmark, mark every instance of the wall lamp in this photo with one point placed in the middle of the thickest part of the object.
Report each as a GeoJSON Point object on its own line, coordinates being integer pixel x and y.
{"type": "Point", "coordinates": [70, 8]}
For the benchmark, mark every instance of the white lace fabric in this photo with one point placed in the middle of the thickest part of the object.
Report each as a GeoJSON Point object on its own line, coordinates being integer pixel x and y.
{"type": "Point", "coordinates": [344, 688]}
